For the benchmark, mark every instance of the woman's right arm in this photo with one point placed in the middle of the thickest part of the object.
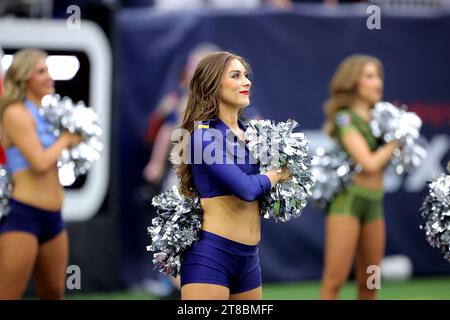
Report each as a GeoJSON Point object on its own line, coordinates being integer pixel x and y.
{"type": "Point", "coordinates": [221, 167]}
{"type": "Point", "coordinates": [359, 150]}
{"type": "Point", "coordinates": [19, 128]}
{"type": "Point", "coordinates": [156, 166]}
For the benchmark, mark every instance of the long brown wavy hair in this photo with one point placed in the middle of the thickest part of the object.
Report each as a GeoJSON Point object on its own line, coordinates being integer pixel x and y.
{"type": "Point", "coordinates": [343, 87]}
{"type": "Point", "coordinates": [202, 105]}
{"type": "Point", "coordinates": [15, 81]}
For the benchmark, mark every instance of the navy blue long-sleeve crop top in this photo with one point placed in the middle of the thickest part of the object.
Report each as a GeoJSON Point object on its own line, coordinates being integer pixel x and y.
{"type": "Point", "coordinates": [222, 165]}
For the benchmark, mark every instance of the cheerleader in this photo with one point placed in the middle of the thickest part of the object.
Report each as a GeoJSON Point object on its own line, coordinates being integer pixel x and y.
{"type": "Point", "coordinates": [224, 263]}
{"type": "Point", "coordinates": [355, 224]}
{"type": "Point", "coordinates": [33, 239]}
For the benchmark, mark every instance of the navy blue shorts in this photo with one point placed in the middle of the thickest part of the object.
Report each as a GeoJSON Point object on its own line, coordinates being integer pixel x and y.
{"type": "Point", "coordinates": [44, 224]}
{"type": "Point", "coordinates": [217, 260]}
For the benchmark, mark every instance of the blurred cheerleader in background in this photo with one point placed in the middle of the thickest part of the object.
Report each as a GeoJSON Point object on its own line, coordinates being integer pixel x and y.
{"type": "Point", "coordinates": [33, 239]}
{"type": "Point", "coordinates": [355, 224]}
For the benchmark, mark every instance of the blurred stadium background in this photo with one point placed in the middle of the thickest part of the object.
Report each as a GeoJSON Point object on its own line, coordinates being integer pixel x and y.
{"type": "Point", "coordinates": [124, 57]}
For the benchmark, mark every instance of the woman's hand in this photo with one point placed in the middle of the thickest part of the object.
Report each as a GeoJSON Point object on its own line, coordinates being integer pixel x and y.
{"type": "Point", "coordinates": [276, 176]}
{"type": "Point", "coordinates": [71, 139]}
{"type": "Point", "coordinates": [285, 173]}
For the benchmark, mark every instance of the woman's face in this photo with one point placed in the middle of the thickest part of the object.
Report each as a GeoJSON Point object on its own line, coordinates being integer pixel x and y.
{"type": "Point", "coordinates": [235, 85]}
{"type": "Point", "coordinates": [40, 83]}
{"type": "Point", "coordinates": [370, 85]}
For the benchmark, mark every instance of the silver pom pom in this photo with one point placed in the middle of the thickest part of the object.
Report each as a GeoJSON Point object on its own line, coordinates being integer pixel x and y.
{"type": "Point", "coordinates": [274, 146]}
{"type": "Point", "coordinates": [436, 212]}
{"type": "Point", "coordinates": [5, 191]}
{"type": "Point", "coordinates": [332, 171]}
{"type": "Point", "coordinates": [175, 228]}
{"type": "Point", "coordinates": [394, 124]}
{"type": "Point", "coordinates": [63, 114]}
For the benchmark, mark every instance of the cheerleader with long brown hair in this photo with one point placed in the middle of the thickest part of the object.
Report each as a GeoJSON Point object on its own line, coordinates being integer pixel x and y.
{"type": "Point", "coordinates": [217, 167]}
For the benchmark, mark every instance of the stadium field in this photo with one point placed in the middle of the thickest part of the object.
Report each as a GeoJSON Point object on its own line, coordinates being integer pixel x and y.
{"type": "Point", "coordinates": [426, 288]}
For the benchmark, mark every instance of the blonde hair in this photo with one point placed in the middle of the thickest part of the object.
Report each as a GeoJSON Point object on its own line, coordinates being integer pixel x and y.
{"type": "Point", "coordinates": [343, 87]}
{"type": "Point", "coordinates": [15, 81]}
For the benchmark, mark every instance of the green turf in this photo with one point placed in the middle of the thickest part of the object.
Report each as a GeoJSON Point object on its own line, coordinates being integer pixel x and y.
{"type": "Point", "coordinates": [111, 296]}
{"type": "Point", "coordinates": [417, 288]}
